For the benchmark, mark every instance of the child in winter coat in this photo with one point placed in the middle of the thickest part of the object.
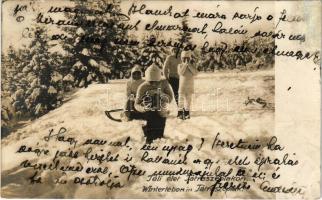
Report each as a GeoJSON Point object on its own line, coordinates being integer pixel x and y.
{"type": "Point", "coordinates": [152, 99]}
{"type": "Point", "coordinates": [186, 72]}
{"type": "Point", "coordinates": [132, 86]}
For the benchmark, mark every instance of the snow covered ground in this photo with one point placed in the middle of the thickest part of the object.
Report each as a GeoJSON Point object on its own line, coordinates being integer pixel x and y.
{"type": "Point", "coordinates": [218, 106]}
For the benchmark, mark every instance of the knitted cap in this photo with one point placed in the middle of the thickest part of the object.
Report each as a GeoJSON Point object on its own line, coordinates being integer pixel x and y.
{"type": "Point", "coordinates": [153, 73]}
{"type": "Point", "coordinates": [136, 68]}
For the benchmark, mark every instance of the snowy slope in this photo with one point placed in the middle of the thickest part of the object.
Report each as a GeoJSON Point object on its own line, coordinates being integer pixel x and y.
{"type": "Point", "coordinates": [218, 106]}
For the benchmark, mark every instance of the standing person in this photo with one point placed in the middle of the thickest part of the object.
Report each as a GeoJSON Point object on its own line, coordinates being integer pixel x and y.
{"type": "Point", "coordinates": [186, 84]}
{"type": "Point", "coordinates": [170, 71]}
{"type": "Point", "coordinates": [132, 86]}
{"type": "Point", "coordinates": [152, 99]}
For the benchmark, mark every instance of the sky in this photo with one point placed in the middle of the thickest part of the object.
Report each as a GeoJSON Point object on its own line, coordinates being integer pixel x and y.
{"type": "Point", "coordinates": [16, 33]}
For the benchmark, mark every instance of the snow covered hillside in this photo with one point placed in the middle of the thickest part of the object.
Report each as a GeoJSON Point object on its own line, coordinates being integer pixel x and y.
{"type": "Point", "coordinates": [218, 106]}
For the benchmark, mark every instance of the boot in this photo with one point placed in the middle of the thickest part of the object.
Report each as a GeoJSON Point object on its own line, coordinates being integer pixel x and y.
{"type": "Point", "coordinates": [145, 131]}
{"type": "Point", "coordinates": [187, 114]}
{"type": "Point", "coordinates": [180, 115]}
{"type": "Point", "coordinates": [147, 135]}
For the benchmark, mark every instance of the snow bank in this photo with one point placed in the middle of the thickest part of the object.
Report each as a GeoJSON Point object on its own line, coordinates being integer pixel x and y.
{"type": "Point", "coordinates": [218, 106]}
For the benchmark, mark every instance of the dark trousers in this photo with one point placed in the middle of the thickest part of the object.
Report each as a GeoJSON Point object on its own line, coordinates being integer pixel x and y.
{"type": "Point", "coordinates": [174, 82]}
{"type": "Point", "coordinates": [154, 127]}
{"type": "Point", "coordinates": [132, 113]}
{"type": "Point", "coordinates": [155, 124]}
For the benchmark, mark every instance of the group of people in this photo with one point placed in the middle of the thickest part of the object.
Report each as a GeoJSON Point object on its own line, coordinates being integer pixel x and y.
{"type": "Point", "coordinates": [149, 98]}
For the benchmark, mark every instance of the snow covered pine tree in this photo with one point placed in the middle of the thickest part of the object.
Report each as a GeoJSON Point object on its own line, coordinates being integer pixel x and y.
{"type": "Point", "coordinates": [92, 48]}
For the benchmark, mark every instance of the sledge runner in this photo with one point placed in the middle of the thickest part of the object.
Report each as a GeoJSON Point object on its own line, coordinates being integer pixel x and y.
{"type": "Point", "coordinates": [186, 73]}
{"type": "Point", "coordinates": [152, 99]}
{"type": "Point", "coordinates": [132, 86]}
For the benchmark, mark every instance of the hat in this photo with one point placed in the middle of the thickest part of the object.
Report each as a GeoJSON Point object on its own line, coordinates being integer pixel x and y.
{"type": "Point", "coordinates": [153, 73]}
{"type": "Point", "coordinates": [185, 54]}
{"type": "Point", "coordinates": [136, 68]}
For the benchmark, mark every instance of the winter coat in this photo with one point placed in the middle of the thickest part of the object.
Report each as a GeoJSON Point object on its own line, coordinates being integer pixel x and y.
{"type": "Point", "coordinates": [133, 85]}
{"type": "Point", "coordinates": [146, 89]}
{"type": "Point", "coordinates": [186, 80]}
{"type": "Point", "coordinates": [170, 67]}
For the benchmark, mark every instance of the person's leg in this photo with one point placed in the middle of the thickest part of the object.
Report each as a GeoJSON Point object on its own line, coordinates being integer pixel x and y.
{"type": "Point", "coordinates": [148, 128]}
{"type": "Point", "coordinates": [174, 82]}
{"type": "Point", "coordinates": [134, 114]}
{"type": "Point", "coordinates": [162, 122]}
{"type": "Point", "coordinates": [127, 108]}
{"type": "Point", "coordinates": [188, 99]}
{"type": "Point", "coordinates": [187, 103]}
{"type": "Point", "coordinates": [154, 128]}
{"type": "Point", "coordinates": [129, 111]}
{"type": "Point", "coordinates": [137, 115]}
{"type": "Point", "coordinates": [159, 125]}
{"type": "Point", "coordinates": [180, 105]}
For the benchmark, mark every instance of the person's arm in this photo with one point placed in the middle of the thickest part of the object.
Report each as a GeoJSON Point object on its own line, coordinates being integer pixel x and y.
{"type": "Point", "coordinates": [182, 68]}
{"type": "Point", "coordinates": [128, 89]}
{"type": "Point", "coordinates": [193, 70]}
{"type": "Point", "coordinates": [168, 91]}
{"type": "Point", "coordinates": [128, 97]}
{"type": "Point", "coordinates": [166, 68]}
{"type": "Point", "coordinates": [139, 99]}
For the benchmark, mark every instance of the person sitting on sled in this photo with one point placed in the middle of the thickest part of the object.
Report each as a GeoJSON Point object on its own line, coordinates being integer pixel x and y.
{"type": "Point", "coordinates": [132, 86]}
{"type": "Point", "coordinates": [152, 99]}
{"type": "Point", "coordinates": [186, 73]}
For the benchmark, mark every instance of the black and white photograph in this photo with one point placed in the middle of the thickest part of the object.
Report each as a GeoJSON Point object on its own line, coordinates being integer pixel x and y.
{"type": "Point", "coordinates": [160, 99]}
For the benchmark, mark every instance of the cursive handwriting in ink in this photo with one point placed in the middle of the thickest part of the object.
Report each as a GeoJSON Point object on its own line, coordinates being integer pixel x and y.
{"type": "Point", "coordinates": [60, 137]}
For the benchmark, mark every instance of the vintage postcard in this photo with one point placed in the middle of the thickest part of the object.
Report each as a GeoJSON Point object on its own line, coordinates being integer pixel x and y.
{"type": "Point", "coordinates": [160, 99]}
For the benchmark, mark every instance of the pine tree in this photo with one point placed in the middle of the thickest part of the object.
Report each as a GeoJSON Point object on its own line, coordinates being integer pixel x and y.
{"type": "Point", "coordinates": [91, 48]}
{"type": "Point", "coordinates": [6, 91]}
{"type": "Point", "coordinates": [39, 87]}
{"type": "Point", "coordinates": [11, 68]}
{"type": "Point", "coordinates": [185, 36]}
{"type": "Point", "coordinates": [4, 73]}
{"type": "Point", "coordinates": [152, 54]}
{"type": "Point", "coordinates": [13, 79]}
{"type": "Point", "coordinates": [29, 87]}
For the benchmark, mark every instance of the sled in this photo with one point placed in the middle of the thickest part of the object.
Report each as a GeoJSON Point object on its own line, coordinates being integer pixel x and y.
{"type": "Point", "coordinates": [108, 114]}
